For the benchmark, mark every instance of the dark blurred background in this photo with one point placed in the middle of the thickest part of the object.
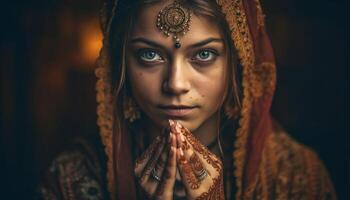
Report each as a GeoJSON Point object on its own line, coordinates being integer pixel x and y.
{"type": "Point", "coordinates": [48, 49]}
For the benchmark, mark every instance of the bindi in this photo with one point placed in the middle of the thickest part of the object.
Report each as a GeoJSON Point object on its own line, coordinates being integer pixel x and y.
{"type": "Point", "coordinates": [174, 20]}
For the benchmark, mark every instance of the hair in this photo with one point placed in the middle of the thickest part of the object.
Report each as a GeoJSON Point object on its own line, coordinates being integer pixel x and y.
{"type": "Point", "coordinates": [124, 18]}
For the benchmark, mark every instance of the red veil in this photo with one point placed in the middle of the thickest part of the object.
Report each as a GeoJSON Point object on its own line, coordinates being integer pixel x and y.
{"type": "Point", "coordinates": [246, 22]}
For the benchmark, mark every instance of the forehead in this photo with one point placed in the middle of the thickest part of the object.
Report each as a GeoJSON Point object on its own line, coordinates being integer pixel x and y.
{"type": "Point", "coordinates": [145, 26]}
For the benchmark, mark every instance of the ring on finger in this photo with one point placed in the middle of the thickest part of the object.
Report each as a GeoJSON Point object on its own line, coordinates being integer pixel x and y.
{"type": "Point", "coordinates": [197, 167]}
{"type": "Point", "coordinates": [202, 174]}
{"type": "Point", "coordinates": [154, 174]}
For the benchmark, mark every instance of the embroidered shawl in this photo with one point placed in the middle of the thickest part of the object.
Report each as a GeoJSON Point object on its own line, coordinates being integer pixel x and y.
{"type": "Point", "coordinates": [268, 164]}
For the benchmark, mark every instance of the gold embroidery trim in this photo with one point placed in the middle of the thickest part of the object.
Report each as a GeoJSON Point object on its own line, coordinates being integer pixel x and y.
{"type": "Point", "coordinates": [262, 79]}
{"type": "Point", "coordinates": [260, 14]}
{"type": "Point", "coordinates": [236, 18]}
{"type": "Point", "coordinates": [105, 117]}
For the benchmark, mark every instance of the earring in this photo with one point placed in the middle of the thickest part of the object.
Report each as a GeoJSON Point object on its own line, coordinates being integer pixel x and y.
{"type": "Point", "coordinates": [131, 111]}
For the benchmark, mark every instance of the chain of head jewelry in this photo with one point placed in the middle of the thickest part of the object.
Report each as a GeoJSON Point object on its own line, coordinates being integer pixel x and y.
{"type": "Point", "coordinates": [174, 20]}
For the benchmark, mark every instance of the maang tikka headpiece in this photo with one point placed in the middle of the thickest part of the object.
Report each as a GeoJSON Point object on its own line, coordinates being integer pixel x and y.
{"type": "Point", "coordinates": [174, 19]}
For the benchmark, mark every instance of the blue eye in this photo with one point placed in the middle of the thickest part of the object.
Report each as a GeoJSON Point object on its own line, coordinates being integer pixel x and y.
{"type": "Point", "coordinates": [205, 55]}
{"type": "Point", "coordinates": [149, 55]}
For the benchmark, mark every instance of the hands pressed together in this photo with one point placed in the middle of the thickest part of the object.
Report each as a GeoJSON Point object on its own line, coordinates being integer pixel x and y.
{"type": "Point", "coordinates": [200, 170]}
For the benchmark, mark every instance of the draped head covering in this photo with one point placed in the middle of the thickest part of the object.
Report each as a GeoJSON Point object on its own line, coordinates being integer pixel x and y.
{"type": "Point", "coordinates": [246, 21]}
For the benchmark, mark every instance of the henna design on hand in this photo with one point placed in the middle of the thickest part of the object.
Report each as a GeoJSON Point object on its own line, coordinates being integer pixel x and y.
{"type": "Point", "coordinates": [196, 164]}
{"type": "Point", "coordinates": [215, 192]}
{"type": "Point", "coordinates": [160, 190]}
{"type": "Point", "coordinates": [160, 164]}
{"type": "Point", "coordinates": [210, 158]}
{"type": "Point", "coordinates": [166, 176]}
{"type": "Point", "coordinates": [147, 171]}
{"type": "Point", "coordinates": [151, 163]}
{"type": "Point", "coordinates": [189, 175]}
{"type": "Point", "coordinates": [185, 145]}
{"type": "Point", "coordinates": [149, 151]}
{"type": "Point", "coordinates": [161, 187]}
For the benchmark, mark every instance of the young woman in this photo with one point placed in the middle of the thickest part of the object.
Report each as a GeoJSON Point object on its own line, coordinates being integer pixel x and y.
{"type": "Point", "coordinates": [184, 91]}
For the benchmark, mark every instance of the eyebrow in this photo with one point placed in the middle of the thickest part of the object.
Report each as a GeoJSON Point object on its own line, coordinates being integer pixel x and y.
{"type": "Point", "coordinates": [155, 44]}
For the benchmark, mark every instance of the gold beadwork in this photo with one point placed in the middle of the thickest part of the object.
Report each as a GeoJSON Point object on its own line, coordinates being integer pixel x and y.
{"type": "Point", "coordinates": [105, 117]}
{"type": "Point", "coordinates": [241, 37]}
{"type": "Point", "coordinates": [263, 79]}
{"type": "Point", "coordinates": [174, 19]}
{"type": "Point", "coordinates": [260, 14]}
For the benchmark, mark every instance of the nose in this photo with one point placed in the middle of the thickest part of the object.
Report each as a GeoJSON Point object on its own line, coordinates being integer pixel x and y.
{"type": "Point", "coordinates": [176, 81]}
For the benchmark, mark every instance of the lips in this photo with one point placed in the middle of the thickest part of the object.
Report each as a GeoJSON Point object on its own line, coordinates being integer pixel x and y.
{"type": "Point", "coordinates": [177, 110]}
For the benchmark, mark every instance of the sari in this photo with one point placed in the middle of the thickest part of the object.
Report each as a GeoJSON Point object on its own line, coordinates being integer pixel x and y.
{"type": "Point", "coordinates": [267, 162]}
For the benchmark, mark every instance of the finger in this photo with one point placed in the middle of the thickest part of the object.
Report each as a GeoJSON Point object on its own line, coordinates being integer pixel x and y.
{"type": "Point", "coordinates": [173, 141]}
{"type": "Point", "coordinates": [141, 162]}
{"type": "Point", "coordinates": [201, 172]}
{"type": "Point", "coordinates": [162, 160]}
{"type": "Point", "coordinates": [160, 164]}
{"type": "Point", "coordinates": [150, 176]}
{"type": "Point", "coordinates": [188, 177]}
{"type": "Point", "coordinates": [205, 164]}
{"type": "Point", "coordinates": [151, 164]}
{"type": "Point", "coordinates": [156, 175]}
{"type": "Point", "coordinates": [165, 189]}
{"type": "Point", "coordinates": [172, 125]}
{"type": "Point", "coordinates": [206, 167]}
{"type": "Point", "coordinates": [210, 160]}
{"type": "Point", "coordinates": [201, 158]}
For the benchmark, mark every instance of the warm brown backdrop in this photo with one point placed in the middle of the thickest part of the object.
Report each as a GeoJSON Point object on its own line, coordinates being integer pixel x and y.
{"type": "Point", "coordinates": [47, 58]}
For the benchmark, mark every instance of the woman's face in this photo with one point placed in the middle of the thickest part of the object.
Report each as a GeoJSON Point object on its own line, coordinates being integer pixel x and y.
{"type": "Point", "coordinates": [185, 84]}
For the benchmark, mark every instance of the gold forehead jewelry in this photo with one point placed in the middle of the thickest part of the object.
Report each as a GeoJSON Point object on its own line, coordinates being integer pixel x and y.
{"type": "Point", "coordinates": [174, 19]}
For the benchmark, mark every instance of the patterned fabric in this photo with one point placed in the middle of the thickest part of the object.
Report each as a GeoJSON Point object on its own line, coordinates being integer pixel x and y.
{"type": "Point", "coordinates": [75, 174]}
{"type": "Point", "coordinates": [267, 163]}
{"type": "Point", "coordinates": [288, 170]}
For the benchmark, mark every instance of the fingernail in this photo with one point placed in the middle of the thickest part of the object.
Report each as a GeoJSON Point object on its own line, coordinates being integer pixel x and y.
{"type": "Point", "coordinates": [182, 137]}
{"type": "Point", "coordinates": [181, 152]}
{"type": "Point", "coordinates": [172, 126]}
{"type": "Point", "coordinates": [178, 127]}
